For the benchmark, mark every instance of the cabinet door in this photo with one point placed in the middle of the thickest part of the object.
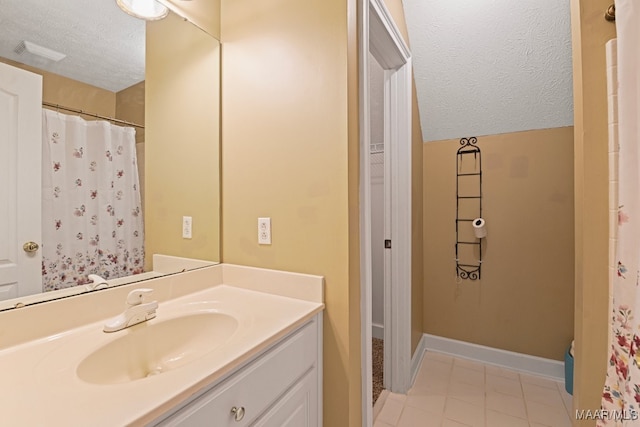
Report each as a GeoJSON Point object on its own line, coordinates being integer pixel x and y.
{"type": "Point", "coordinates": [297, 408]}
{"type": "Point", "coordinates": [253, 388]}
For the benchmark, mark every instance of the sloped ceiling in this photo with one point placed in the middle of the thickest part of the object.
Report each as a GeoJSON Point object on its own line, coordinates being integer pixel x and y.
{"type": "Point", "coordinates": [484, 67]}
{"type": "Point", "coordinates": [105, 47]}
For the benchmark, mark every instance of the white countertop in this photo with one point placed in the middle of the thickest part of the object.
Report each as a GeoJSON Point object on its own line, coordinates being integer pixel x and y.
{"type": "Point", "coordinates": [40, 386]}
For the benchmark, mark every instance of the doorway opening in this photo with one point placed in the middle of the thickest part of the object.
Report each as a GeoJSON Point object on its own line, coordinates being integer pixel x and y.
{"type": "Point", "coordinates": [382, 46]}
{"type": "Point", "coordinates": [379, 227]}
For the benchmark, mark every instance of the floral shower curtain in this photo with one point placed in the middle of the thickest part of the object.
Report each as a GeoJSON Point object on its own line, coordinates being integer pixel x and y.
{"type": "Point", "coordinates": [621, 397]}
{"type": "Point", "coordinates": [92, 218]}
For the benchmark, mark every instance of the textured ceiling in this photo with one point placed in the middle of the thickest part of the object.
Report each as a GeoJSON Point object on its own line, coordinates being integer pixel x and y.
{"type": "Point", "coordinates": [104, 45]}
{"type": "Point", "coordinates": [485, 67]}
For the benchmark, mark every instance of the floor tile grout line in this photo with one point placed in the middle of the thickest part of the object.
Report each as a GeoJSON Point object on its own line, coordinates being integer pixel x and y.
{"type": "Point", "coordinates": [485, 391]}
{"type": "Point", "coordinates": [404, 403]}
{"type": "Point", "coordinates": [486, 420]}
{"type": "Point", "coordinates": [562, 390]}
{"type": "Point", "coordinates": [524, 399]}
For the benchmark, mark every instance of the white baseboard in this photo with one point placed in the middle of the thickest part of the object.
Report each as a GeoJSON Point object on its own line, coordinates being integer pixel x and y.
{"type": "Point", "coordinates": [553, 369]}
{"type": "Point", "coordinates": [377, 331]}
{"type": "Point", "coordinates": [416, 358]}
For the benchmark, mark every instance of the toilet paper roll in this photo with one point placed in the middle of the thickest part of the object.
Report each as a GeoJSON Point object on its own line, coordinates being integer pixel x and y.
{"type": "Point", "coordinates": [479, 228]}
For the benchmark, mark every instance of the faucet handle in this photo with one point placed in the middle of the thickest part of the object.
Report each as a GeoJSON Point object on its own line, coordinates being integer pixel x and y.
{"type": "Point", "coordinates": [136, 296]}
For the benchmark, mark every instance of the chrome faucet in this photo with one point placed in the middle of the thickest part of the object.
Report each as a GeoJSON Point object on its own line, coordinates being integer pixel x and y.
{"type": "Point", "coordinates": [136, 312]}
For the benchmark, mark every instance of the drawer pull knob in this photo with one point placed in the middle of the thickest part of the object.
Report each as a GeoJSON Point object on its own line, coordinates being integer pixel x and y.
{"type": "Point", "coordinates": [238, 413]}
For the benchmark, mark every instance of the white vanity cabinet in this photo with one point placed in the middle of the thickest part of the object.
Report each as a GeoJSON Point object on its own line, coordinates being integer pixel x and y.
{"type": "Point", "coordinates": [280, 386]}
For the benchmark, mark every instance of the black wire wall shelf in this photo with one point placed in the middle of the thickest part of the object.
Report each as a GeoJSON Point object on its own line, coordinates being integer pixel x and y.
{"type": "Point", "coordinates": [469, 267]}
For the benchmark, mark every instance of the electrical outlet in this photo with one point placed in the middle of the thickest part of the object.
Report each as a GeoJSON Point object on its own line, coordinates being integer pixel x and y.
{"type": "Point", "coordinates": [264, 231]}
{"type": "Point", "coordinates": [187, 224]}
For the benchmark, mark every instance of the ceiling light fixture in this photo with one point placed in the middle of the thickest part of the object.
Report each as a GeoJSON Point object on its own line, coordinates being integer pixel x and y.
{"type": "Point", "coordinates": [149, 10]}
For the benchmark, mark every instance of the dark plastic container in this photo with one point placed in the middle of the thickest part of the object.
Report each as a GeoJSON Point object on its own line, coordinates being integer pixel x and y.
{"type": "Point", "coordinates": [568, 372]}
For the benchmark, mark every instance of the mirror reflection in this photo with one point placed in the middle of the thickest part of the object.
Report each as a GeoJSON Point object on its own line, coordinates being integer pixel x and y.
{"type": "Point", "coordinates": [112, 199]}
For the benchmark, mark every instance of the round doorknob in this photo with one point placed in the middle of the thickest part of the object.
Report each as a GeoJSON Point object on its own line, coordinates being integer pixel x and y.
{"type": "Point", "coordinates": [30, 247]}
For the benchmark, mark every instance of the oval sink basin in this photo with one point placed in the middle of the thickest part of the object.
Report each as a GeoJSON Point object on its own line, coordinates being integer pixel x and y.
{"type": "Point", "coordinates": [149, 349]}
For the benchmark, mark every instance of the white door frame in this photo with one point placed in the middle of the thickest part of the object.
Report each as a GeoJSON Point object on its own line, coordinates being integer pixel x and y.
{"type": "Point", "coordinates": [380, 36]}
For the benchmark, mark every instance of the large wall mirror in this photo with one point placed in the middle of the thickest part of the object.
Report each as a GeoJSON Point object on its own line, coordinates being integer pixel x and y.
{"type": "Point", "coordinates": [161, 78]}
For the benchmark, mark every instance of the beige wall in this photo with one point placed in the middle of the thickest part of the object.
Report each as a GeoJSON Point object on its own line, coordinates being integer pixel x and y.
{"type": "Point", "coordinates": [182, 140]}
{"type": "Point", "coordinates": [417, 230]}
{"type": "Point", "coordinates": [130, 107]}
{"type": "Point", "coordinates": [205, 14]}
{"type": "Point", "coordinates": [287, 127]}
{"type": "Point", "coordinates": [127, 104]}
{"type": "Point", "coordinates": [524, 299]}
{"type": "Point", "coordinates": [291, 151]}
{"type": "Point", "coordinates": [590, 32]}
{"type": "Point", "coordinates": [72, 93]}
{"type": "Point", "coordinates": [353, 164]}
{"type": "Point", "coordinates": [353, 158]}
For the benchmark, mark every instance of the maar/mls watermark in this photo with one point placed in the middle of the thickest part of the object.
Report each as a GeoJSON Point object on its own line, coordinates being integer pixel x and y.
{"type": "Point", "coordinates": [605, 414]}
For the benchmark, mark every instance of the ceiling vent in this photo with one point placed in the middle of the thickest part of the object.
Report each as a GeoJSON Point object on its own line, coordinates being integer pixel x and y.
{"type": "Point", "coordinates": [41, 51]}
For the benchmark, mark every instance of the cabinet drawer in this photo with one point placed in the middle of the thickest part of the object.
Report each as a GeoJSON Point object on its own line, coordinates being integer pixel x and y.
{"type": "Point", "coordinates": [255, 387]}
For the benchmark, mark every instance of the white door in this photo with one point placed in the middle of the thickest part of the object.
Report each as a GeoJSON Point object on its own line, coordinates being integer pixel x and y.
{"type": "Point", "coordinates": [20, 181]}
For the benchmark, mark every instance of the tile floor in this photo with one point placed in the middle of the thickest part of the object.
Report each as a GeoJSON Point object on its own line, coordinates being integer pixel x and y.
{"type": "Point", "coordinates": [453, 392]}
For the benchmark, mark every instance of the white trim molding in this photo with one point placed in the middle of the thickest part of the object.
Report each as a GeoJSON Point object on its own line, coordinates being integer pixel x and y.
{"type": "Point", "coordinates": [366, 263]}
{"type": "Point", "coordinates": [418, 356]}
{"type": "Point", "coordinates": [400, 302]}
{"type": "Point", "coordinates": [553, 369]}
{"type": "Point", "coordinates": [388, 39]}
{"type": "Point", "coordinates": [389, 49]}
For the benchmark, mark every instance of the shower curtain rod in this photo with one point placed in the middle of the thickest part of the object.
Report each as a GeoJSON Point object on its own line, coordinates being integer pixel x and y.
{"type": "Point", "coordinates": [97, 116]}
